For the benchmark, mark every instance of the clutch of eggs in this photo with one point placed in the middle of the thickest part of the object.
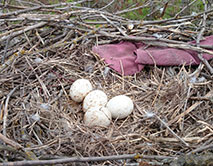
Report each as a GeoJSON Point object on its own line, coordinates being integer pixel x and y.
{"type": "Point", "coordinates": [98, 111]}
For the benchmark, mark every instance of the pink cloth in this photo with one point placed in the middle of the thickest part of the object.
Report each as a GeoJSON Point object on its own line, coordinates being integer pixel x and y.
{"type": "Point", "coordinates": [129, 58]}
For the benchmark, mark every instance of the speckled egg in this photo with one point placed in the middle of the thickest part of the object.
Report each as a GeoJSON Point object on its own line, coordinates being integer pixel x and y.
{"type": "Point", "coordinates": [97, 116]}
{"type": "Point", "coordinates": [94, 99]}
{"type": "Point", "coordinates": [79, 89]}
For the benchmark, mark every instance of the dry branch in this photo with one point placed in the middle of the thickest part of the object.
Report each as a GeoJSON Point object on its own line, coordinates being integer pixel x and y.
{"type": "Point", "coordinates": [84, 159]}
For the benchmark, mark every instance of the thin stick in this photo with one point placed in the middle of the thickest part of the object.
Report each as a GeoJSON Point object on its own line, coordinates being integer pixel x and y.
{"type": "Point", "coordinates": [205, 62]}
{"type": "Point", "coordinates": [84, 159]}
{"type": "Point", "coordinates": [119, 29]}
{"type": "Point", "coordinates": [173, 133]}
{"type": "Point", "coordinates": [31, 27]}
{"type": "Point", "coordinates": [107, 5]}
{"type": "Point", "coordinates": [15, 13]}
{"type": "Point", "coordinates": [132, 9]}
{"type": "Point", "coordinates": [185, 8]}
{"type": "Point", "coordinates": [122, 72]}
{"type": "Point", "coordinates": [10, 142]}
{"type": "Point", "coordinates": [209, 94]}
{"type": "Point", "coordinates": [6, 111]}
{"type": "Point", "coordinates": [199, 149]}
{"type": "Point", "coordinates": [159, 87]}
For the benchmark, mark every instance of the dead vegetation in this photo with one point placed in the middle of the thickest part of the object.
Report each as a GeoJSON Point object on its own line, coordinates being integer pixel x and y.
{"type": "Point", "coordinates": [44, 48]}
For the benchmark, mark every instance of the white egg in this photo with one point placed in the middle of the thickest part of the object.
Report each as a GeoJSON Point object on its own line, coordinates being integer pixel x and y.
{"type": "Point", "coordinates": [97, 116]}
{"type": "Point", "coordinates": [79, 89]}
{"type": "Point", "coordinates": [120, 106]}
{"type": "Point", "coordinates": [94, 98]}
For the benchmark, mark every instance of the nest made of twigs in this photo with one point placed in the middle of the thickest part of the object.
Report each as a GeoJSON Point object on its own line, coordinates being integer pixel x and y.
{"type": "Point", "coordinates": [44, 54]}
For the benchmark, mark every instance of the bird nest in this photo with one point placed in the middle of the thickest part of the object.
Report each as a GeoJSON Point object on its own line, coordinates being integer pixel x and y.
{"type": "Point", "coordinates": [45, 48]}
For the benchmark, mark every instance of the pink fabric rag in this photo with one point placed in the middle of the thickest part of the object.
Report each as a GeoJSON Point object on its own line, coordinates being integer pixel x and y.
{"type": "Point", "coordinates": [129, 58]}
